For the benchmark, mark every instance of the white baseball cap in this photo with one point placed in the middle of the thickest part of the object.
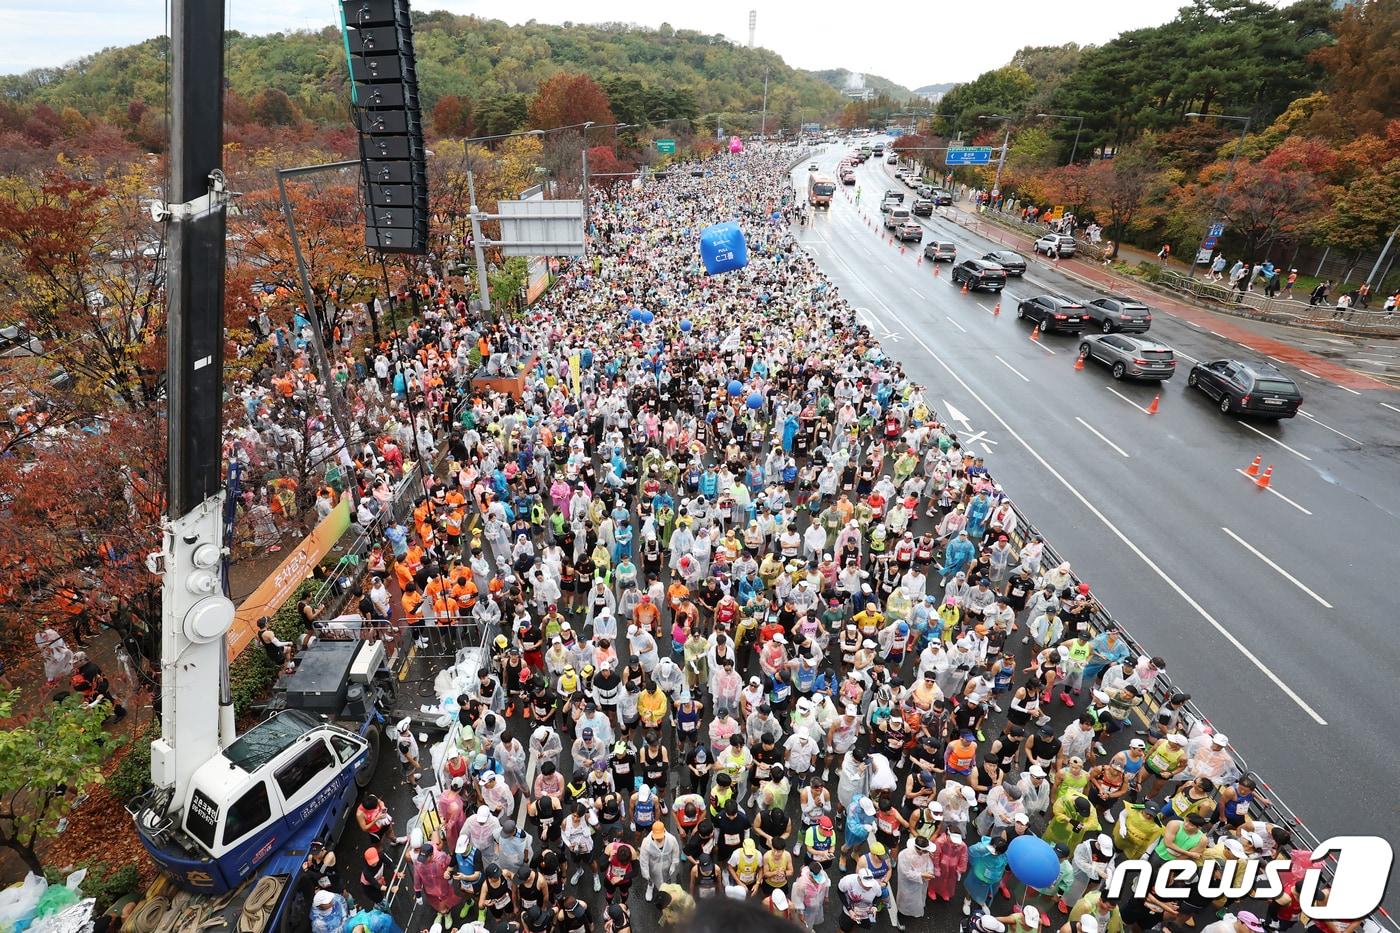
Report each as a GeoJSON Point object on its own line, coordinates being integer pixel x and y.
{"type": "Point", "coordinates": [1030, 916]}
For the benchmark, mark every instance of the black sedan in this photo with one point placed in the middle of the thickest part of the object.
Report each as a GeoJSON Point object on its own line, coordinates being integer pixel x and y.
{"type": "Point", "coordinates": [1116, 313]}
{"type": "Point", "coordinates": [1247, 388]}
{"type": "Point", "coordinates": [1014, 263]}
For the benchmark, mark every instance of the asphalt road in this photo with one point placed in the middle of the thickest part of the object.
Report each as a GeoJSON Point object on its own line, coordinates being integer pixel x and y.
{"type": "Point", "coordinates": [1274, 609]}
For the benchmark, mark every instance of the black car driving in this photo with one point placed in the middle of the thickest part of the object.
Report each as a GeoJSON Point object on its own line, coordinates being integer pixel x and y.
{"type": "Point", "coordinates": [1014, 263]}
{"type": "Point", "coordinates": [1247, 388]}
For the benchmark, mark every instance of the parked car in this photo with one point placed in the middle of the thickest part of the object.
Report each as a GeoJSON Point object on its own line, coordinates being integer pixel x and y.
{"type": "Point", "coordinates": [924, 191]}
{"type": "Point", "coordinates": [1247, 388]}
{"type": "Point", "coordinates": [1117, 313]}
{"type": "Point", "coordinates": [892, 158]}
{"type": "Point", "coordinates": [979, 274]}
{"type": "Point", "coordinates": [812, 167]}
{"type": "Point", "coordinates": [1050, 241]}
{"type": "Point", "coordinates": [888, 204]}
{"type": "Point", "coordinates": [895, 216]}
{"type": "Point", "coordinates": [941, 196]}
{"type": "Point", "coordinates": [848, 177]}
{"type": "Point", "coordinates": [894, 193]}
{"type": "Point", "coordinates": [1137, 357]}
{"type": "Point", "coordinates": [910, 230]}
{"type": "Point", "coordinates": [923, 207]}
{"type": "Point", "coordinates": [1054, 312]}
{"type": "Point", "coordinates": [1014, 263]}
{"type": "Point", "coordinates": [913, 180]}
{"type": "Point", "coordinates": [941, 251]}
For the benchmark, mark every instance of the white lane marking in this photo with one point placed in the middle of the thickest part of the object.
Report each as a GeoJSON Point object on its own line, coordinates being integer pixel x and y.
{"type": "Point", "coordinates": [1220, 335]}
{"type": "Point", "coordinates": [1117, 532]}
{"type": "Point", "coordinates": [1193, 324]}
{"type": "Point", "coordinates": [1345, 389]}
{"type": "Point", "coordinates": [1357, 359]}
{"type": "Point", "coordinates": [1390, 406]}
{"type": "Point", "coordinates": [1306, 372]}
{"type": "Point", "coordinates": [986, 448]}
{"type": "Point", "coordinates": [1128, 400]}
{"type": "Point", "coordinates": [1296, 453]}
{"type": "Point", "coordinates": [1286, 575]}
{"type": "Point", "coordinates": [1371, 359]}
{"type": "Point", "coordinates": [1323, 424]}
{"type": "Point", "coordinates": [987, 309]}
{"type": "Point", "coordinates": [1277, 360]}
{"type": "Point", "coordinates": [1100, 436]}
{"type": "Point", "coordinates": [916, 291]}
{"type": "Point", "coordinates": [1043, 346]}
{"type": "Point", "coordinates": [1012, 368]}
{"type": "Point", "coordinates": [955, 323]}
{"type": "Point", "coordinates": [1184, 356]}
{"type": "Point", "coordinates": [1274, 491]}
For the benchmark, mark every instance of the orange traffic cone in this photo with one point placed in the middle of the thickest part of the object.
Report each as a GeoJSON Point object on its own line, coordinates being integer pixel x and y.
{"type": "Point", "coordinates": [1035, 334]}
{"type": "Point", "coordinates": [996, 309]}
{"type": "Point", "coordinates": [936, 271]}
{"type": "Point", "coordinates": [1263, 481]}
{"type": "Point", "coordinates": [920, 260]}
{"type": "Point", "coordinates": [1079, 362]}
{"type": "Point", "coordinates": [901, 249]}
{"type": "Point", "coordinates": [1253, 468]}
{"type": "Point", "coordinates": [1152, 409]}
{"type": "Point", "coordinates": [964, 288]}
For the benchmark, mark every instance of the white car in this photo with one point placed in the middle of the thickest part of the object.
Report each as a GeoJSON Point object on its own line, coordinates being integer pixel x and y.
{"type": "Point", "coordinates": [1058, 243]}
{"type": "Point", "coordinates": [812, 167]}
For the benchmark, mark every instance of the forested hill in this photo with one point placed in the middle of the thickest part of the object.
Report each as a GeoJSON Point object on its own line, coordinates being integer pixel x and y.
{"type": "Point", "coordinates": [649, 73]}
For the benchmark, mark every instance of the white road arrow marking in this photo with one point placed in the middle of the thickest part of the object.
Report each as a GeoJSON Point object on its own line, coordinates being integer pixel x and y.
{"type": "Point", "coordinates": [955, 415]}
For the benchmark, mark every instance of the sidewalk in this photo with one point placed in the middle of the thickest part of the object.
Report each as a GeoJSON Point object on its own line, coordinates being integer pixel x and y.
{"type": "Point", "coordinates": [1095, 276]}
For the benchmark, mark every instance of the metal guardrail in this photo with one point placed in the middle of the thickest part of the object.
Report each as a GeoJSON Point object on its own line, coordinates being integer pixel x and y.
{"type": "Point", "coordinates": [1279, 309]}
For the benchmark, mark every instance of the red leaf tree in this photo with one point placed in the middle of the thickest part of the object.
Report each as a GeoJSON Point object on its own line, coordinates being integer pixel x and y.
{"type": "Point", "coordinates": [566, 99]}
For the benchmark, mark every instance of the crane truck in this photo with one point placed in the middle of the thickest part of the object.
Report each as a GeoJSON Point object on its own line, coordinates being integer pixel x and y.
{"type": "Point", "coordinates": [231, 816]}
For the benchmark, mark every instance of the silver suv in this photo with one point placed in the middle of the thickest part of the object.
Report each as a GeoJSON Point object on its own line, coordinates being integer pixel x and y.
{"type": "Point", "coordinates": [1051, 241]}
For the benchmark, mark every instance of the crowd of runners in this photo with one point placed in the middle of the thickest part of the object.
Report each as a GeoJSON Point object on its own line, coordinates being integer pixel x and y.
{"type": "Point", "coordinates": [759, 627]}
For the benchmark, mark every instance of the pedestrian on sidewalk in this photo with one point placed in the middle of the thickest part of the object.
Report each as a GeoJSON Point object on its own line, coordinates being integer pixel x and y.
{"type": "Point", "coordinates": [1292, 280]}
{"type": "Point", "coordinates": [1217, 267]}
{"type": "Point", "coordinates": [1165, 253]}
{"type": "Point", "coordinates": [1319, 293]}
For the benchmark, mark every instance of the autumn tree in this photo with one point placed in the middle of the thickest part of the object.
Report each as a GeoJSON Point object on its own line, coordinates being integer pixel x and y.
{"type": "Point", "coordinates": [452, 116]}
{"type": "Point", "coordinates": [604, 167]}
{"type": "Point", "coordinates": [566, 99]}
{"type": "Point", "coordinates": [272, 107]}
{"type": "Point", "coordinates": [79, 269]}
{"type": "Point", "coordinates": [1263, 203]}
{"type": "Point", "coordinates": [1120, 188]}
{"type": "Point", "coordinates": [1363, 69]}
{"type": "Point", "coordinates": [58, 751]}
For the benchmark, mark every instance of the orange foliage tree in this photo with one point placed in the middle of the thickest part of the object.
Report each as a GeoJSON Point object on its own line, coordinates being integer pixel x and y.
{"type": "Point", "coordinates": [566, 99]}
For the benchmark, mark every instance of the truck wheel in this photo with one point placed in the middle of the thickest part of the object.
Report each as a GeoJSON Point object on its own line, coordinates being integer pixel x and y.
{"type": "Point", "coordinates": [374, 736]}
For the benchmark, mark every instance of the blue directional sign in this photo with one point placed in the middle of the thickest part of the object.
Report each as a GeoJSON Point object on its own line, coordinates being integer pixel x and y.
{"type": "Point", "coordinates": [970, 155]}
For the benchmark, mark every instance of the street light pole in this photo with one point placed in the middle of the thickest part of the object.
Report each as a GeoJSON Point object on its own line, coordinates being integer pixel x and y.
{"type": "Point", "coordinates": [1074, 150]}
{"type": "Point", "coordinates": [1005, 144]}
{"type": "Point", "coordinates": [763, 127]}
{"type": "Point", "coordinates": [1224, 186]}
{"type": "Point", "coordinates": [482, 289]}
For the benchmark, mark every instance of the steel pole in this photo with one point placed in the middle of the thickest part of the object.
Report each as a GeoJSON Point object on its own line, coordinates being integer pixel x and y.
{"type": "Point", "coordinates": [1001, 162]}
{"type": "Point", "coordinates": [1381, 258]}
{"type": "Point", "coordinates": [318, 343]}
{"type": "Point", "coordinates": [1074, 150]}
{"type": "Point", "coordinates": [483, 288]}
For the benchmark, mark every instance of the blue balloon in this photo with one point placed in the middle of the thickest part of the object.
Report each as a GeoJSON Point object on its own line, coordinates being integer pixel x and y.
{"type": "Point", "coordinates": [735, 387]}
{"type": "Point", "coordinates": [686, 326]}
{"type": "Point", "coordinates": [648, 317]}
{"type": "Point", "coordinates": [1033, 861]}
{"type": "Point", "coordinates": [755, 400]}
{"type": "Point", "coordinates": [636, 314]}
{"type": "Point", "coordinates": [723, 248]}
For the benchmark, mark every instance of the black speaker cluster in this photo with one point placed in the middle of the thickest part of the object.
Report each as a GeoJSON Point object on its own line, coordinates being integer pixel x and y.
{"type": "Point", "coordinates": [384, 97]}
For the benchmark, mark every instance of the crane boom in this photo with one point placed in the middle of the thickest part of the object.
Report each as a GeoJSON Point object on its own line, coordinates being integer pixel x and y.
{"type": "Point", "coordinates": [196, 717]}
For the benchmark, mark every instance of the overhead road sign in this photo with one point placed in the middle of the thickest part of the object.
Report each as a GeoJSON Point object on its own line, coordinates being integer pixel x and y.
{"type": "Point", "coordinates": [972, 155]}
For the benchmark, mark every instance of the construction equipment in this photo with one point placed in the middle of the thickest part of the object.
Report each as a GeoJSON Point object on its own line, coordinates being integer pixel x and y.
{"type": "Point", "coordinates": [230, 816]}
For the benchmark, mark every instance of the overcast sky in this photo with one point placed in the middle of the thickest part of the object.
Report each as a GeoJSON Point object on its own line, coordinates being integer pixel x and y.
{"type": "Point", "coordinates": [944, 42]}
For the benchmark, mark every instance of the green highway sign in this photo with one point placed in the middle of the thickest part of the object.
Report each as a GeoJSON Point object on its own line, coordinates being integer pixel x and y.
{"type": "Point", "coordinates": [667, 146]}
